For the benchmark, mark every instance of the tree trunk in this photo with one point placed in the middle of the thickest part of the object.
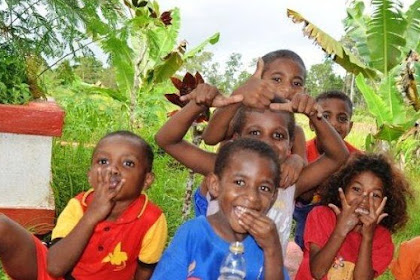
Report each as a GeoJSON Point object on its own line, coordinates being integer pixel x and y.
{"type": "Point", "coordinates": [186, 207]}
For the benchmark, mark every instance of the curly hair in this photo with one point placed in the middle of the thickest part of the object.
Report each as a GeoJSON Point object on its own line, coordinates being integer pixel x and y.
{"type": "Point", "coordinates": [396, 188]}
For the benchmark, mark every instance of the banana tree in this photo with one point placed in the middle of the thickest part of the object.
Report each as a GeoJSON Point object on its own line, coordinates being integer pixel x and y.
{"type": "Point", "coordinates": [385, 46]}
{"type": "Point", "coordinates": [145, 52]}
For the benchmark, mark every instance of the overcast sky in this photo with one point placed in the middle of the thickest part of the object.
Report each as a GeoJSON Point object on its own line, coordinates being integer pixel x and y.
{"type": "Point", "coordinates": [254, 28]}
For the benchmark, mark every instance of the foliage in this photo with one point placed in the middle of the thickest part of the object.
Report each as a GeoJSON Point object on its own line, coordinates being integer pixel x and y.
{"type": "Point", "coordinates": [65, 73]}
{"type": "Point", "coordinates": [321, 77]}
{"type": "Point", "coordinates": [382, 42]}
{"type": "Point", "coordinates": [46, 29]}
{"type": "Point", "coordinates": [14, 88]}
{"type": "Point", "coordinates": [88, 68]}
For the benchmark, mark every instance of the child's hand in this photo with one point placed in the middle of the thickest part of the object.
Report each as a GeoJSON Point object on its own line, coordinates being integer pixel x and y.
{"type": "Point", "coordinates": [374, 217]}
{"type": "Point", "coordinates": [300, 103]}
{"type": "Point", "coordinates": [209, 96]}
{"type": "Point", "coordinates": [290, 170]}
{"type": "Point", "coordinates": [347, 218]}
{"type": "Point", "coordinates": [103, 197]}
{"type": "Point", "coordinates": [261, 227]}
{"type": "Point", "coordinates": [257, 92]}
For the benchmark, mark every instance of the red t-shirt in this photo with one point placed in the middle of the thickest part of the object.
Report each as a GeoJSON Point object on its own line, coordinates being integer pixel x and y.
{"type": "Point", "coordinates": [312, 152]}
{"type": "Point", "coordinates": [320, 225]}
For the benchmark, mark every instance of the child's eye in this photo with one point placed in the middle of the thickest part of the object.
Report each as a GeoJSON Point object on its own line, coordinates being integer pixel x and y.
{"type": "Point", "coordinates": [255, 132]}
{"type": "Point", "coordinates": [326, 116]}
{"type": "Point", "coordinates": [343, 119]}
{"type": "Point", "coordinates": [103, 161]}
{"type": "Point", "coordinates": [278, 136]}
{"type": "Point", "coordinates": [240, 183]}
{"type": "Point", "coordinates": [265, 188]}
{"type": "Point", "coordinates": [356, 189]}
{"type": "Point", "coordinates": [276, 79]}
{"type": "Point", "coordinates": [128, 163]}
{"type": "Point", "coordinates": [377, 195]}
{"type": "Point", "coordinates": [298, 84]}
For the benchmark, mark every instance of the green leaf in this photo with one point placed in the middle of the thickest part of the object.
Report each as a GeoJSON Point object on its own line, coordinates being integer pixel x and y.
{"type": "Point", "coordinates": [377, 107]}
{"type": "Point", "coordinates": [369, 143]}
{"type": "Point", "coordinates": [355, 25]}
{"type": "Point", "coordinates": [389, 132]}
{"type": "Point", "coordinates": [340, 54]}
{"type": "Point", "coordinates": [211, 40]}
{"type": "Point", "coordinates": [168, 68]}
{"type": "Point", "coordinates": [393, 98]}
{"type": "Point", "coordinates": [385, 35]}
{"type": "Point", "coordinates": [412, 33]}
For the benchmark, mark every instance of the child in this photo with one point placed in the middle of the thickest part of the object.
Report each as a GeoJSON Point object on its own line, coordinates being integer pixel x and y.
{"type": "Point", "coordinates": [271, 126]}
{"type": "Point", "coordinates": [337, 110]}
{"type": "Point", "coordinates": [407, 265]}
{"type": "Point", "coordinates": [245, 181]}
{"type": "Point", "coordinates": [109, 232]}
{"type": "Point", "coordinates": [351, 239]}
{"type": "Point", "coordinates": [279, 73]}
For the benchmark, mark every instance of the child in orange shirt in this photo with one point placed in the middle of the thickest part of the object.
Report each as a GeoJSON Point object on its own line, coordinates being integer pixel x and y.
{"type": "Point", "coordinates": [407, 265]}
{"type": "Point", "coordinates": [109, 232]}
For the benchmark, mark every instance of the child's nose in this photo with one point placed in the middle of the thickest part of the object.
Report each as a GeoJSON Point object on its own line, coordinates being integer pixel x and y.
{"type": "Point", "coordinates": [114, 170]}
{"type": "Point", "coordinates": [253, 198]}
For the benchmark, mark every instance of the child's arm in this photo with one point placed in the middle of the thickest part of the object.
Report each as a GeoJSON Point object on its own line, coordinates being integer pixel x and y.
{"type": "Point", "coordinates": [170, 136]}
{"type": "Point", "coordinates": [364, 264]}
{"type": "Point", "coordinates": [144, 271]}
{"type": "Point", "coordinates": [321, 259]}
{"type": "Point", "coordinates": [335, 152]}
{"type": "Point", "coordinates": [294, 164]}
{"type": "Point", "coordinates": [64, 254]}
{"type": "Point", "coordinates": [257, 93]}
{"type": "Point", "coordinates": [265, 233]}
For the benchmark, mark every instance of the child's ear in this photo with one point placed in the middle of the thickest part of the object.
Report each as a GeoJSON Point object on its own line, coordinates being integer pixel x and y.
{"type": "Point", "coordinates": [148, 180]}
{"type": "Point", "coordinates": [213, 185]}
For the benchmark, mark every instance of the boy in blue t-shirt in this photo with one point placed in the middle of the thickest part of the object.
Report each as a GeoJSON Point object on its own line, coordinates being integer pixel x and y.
{"type": "Point", "coordinates": [245, 183]}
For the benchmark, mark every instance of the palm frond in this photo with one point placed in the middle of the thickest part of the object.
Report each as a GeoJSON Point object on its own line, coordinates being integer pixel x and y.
{"type": "Point", "coordinates": [412, 33]}
{"type": "Point", "coordinates": [332, 47]}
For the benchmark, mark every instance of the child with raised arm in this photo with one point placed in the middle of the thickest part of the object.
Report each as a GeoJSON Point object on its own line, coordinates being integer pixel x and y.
{"type": "Point", "coordinates": [245, 182]}
{"type": "Point", "coordinates": [350, 236]}
{"type": "Point", "coordinates": [275, 127]}
{"type": "Point", "coordinates": [279, 73]}
{"type": "Point", "coordinates": [110, 232]}
{"type": "Point", "coordinates": [337, 110]}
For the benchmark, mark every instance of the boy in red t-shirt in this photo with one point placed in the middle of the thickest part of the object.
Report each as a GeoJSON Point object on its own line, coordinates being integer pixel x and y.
{"type": "Point", "coordinates": [109, 232]}
{"type": "Point", "coordinates": [338, 110]}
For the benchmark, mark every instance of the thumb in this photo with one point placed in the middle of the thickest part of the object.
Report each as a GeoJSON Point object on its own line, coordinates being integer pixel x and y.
{"type": "Point", "coordinates": [221, 100]}
{"type": "Point", "coordinates": [260, 68]}
{"type": "Point", "coordinates": [334, 208]}
{"type": "Point", "coordinates": [281, 107]}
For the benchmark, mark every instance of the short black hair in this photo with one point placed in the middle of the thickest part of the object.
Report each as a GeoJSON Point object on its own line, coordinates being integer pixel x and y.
{"type": "Point", "coordinates": [238, 121]}
{"type": "Point", "coordinates": [337, 94]}
{"type": "Point", "coordinates": [246, 144]}
{"type": "Point", "coordinates": [288, 54]}
{"type": "Point", "coordinates": [136, 138]}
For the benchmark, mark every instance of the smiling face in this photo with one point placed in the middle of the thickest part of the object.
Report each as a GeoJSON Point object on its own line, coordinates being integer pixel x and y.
{"type": "Point", "coordinates": [364, 184]}
{"type": "Point", "coordinates": [247, 182]}
{"type": "Point", "coordinates": [269, 127]}
{"type": "Point", "coordinates": [126, 159]}
{"type": "Point", "coordinates": [338, 114]}
{"type": "Point", "coordinates": [287, 75]}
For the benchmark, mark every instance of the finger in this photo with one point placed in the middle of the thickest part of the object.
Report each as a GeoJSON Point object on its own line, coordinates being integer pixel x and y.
{"type": "Point", "coordinates": [303, 102]}
{"type": "Point", "coordinates": [381, 206]}
{"type": "Point", "coordinates": [336, 210]}
{"type": "Point", "coordinates": [310, 107]}
{"type": "Point", "coordinates": [99, 178]}
{"type": "Point", "coordinates": [221, 100]}
{"type": "Point", "coordinates": [381, 217]}
{"type": "Point", "coordinates": [281, 107]}
{"type": "Point", "coordinates": [319, 110]}
{"type": "Point", "coordinates": [342, 198]}
{"type": "Point", "coordinates": [260, 68]}
{"type": "Point", "coordinates": [187, 97]}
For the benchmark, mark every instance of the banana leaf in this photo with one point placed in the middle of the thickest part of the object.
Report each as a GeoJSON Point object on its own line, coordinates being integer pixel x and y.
{"type": "Point", "coordinates": [385, 35]}
{"type": "Point", "coordinates": [332, 47]}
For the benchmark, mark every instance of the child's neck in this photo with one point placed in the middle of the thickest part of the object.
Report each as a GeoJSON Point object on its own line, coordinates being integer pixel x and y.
{"type": "Point", "coordinates": [223, 229]}
{"type": "Point", "coordinates": [118, 209]}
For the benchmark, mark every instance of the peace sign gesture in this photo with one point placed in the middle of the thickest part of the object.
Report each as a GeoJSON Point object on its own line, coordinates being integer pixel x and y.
{"type": "Point", "coordinates": [374, 217]}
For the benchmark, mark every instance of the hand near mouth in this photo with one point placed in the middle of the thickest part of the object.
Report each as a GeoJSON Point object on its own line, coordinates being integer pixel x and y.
{"type": "Point", "coordinates": [347, 217]}
{"type": "Point", "coordinates": [373, 217]}
{"type": "Point", "coordinates": [107, 188]}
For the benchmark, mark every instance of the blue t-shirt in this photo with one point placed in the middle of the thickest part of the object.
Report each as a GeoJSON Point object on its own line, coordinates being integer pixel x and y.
{"type": "Point", "coordinates": [196, 252]}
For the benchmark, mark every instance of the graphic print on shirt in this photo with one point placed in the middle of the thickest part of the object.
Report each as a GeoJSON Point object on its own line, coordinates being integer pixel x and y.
{"type": "Point", "coordinates": [341, 270]}
{"type": "Point", "coordinates": [117, 258]}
